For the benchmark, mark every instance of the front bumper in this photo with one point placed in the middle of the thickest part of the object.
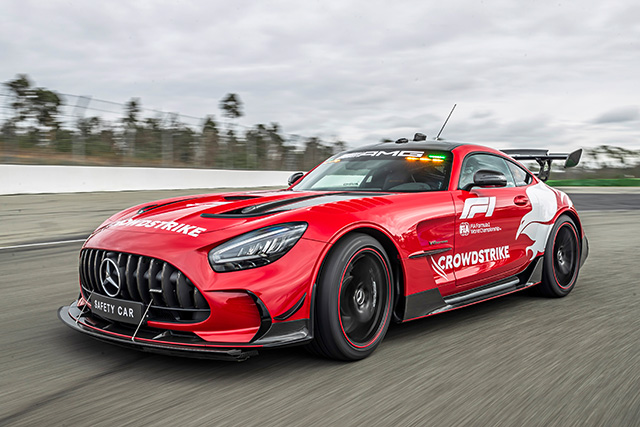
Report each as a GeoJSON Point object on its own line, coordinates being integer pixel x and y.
{"type": "Point", "coordinates": [180, 343]}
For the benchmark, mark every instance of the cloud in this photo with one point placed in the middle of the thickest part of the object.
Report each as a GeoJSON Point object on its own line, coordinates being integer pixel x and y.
{"type": "Point", "coordinates": [618, 115]}
{"type": "Point", "coordinates": [355, 70]}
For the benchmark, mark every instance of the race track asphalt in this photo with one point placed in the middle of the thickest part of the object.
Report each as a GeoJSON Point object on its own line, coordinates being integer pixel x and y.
{"type": "Point", "coordinates": [516, 360]}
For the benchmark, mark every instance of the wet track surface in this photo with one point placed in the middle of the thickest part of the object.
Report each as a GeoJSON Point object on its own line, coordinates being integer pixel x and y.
{"type": "Point", "coordinates": [516, 360]}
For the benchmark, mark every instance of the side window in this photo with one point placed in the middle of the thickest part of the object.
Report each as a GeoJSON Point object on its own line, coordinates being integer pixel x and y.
{"type": "Point", "coordinates": [520, 176]}
{"type": "Point", "coordinates": [476, 162]}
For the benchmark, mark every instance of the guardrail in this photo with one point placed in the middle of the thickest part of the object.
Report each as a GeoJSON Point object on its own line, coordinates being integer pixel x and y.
{"type": "Point", "coordinates": [34, 179]}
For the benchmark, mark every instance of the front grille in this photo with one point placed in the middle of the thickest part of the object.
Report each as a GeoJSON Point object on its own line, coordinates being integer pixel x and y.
{"type": "Point", "coordinates": [147, 280]}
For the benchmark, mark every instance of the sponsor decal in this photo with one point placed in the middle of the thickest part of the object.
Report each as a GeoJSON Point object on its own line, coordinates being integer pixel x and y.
{"type": "Point", "coordinates": [397, 153]}
{"type": "Point", "coordinates": [477, 228]}
{"type": "Point", "coordinates": [478, 205]}
{"type": "Point", "coordinates": [176, 227]}
{"type": "Point", "coordinates": [564, 198]}
{"type": "Point", "coordinates": [466, 259]}
{"type": "Point", "coordinates": [438, 242]}
{"type": "Point", "coordinates": [538, 222]}
{"type": "Point", "coordinates": [438, 270]}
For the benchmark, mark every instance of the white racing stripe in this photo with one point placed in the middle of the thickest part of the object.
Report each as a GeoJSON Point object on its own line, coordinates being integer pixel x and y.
{"type": "Point", "coordinates": [35, 245]}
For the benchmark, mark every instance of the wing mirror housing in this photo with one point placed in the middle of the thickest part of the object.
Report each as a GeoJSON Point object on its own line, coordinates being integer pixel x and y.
{"type": "Point", "coordinates": [295, 178]}
{"type": "Point", "coordinates": [488, 178]}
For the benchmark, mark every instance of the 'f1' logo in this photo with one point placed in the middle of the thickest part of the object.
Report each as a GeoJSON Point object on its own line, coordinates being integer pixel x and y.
{"type": "Point", "coordinates": [484, 205]}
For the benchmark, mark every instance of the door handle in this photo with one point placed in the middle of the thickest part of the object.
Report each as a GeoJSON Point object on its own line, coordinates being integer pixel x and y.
{"type": "Point", "coordinates": [520, 200]}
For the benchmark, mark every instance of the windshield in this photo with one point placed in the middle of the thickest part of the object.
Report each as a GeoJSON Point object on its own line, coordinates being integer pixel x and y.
{"type": "Point", "coordinates": [401, 171]}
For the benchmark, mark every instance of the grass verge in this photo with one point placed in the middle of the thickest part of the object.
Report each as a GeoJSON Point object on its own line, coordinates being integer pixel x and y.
{"type": "Point", "coordinates": [620, 182]}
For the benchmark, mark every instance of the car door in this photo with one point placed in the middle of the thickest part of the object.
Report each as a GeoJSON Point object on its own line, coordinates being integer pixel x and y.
{"type": "Point", "coordinates": [435, 232]}
{"type": "Point", "coordinates": [486, 223]}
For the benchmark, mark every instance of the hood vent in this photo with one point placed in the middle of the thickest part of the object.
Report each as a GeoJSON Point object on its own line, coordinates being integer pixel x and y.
{"type": "Point", "coordinates": [282, 205]}
{"type": "Point", "coordinates": [243, 197]}
{"type": "Point", "coordinates": [151, 207]}
{"type": "Point", "coordinates": [267, 208]}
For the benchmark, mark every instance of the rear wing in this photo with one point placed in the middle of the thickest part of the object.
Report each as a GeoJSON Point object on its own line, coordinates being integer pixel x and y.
{"type": "Point", "coordinates": [544, 159]}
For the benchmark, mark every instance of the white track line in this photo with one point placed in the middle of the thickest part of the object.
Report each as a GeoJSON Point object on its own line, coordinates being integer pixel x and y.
{"type": "Point", "coordinates": [35, 245]}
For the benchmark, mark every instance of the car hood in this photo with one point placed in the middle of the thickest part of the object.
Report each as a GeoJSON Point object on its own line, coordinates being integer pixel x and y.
{"type": "Point", "coordinates": [193, 217]}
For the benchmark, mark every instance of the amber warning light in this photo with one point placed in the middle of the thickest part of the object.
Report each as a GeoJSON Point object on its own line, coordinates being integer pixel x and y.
{"type": "Point", "coordinates": [436, 158]}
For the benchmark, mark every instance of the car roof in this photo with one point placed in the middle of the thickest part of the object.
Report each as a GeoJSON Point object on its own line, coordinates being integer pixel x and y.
{"type": "Point", "coordinates": [410, 145]}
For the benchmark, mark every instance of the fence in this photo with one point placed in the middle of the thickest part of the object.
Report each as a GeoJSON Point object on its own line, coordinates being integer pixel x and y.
{"type": "Point", "coordinates": [88, 131]}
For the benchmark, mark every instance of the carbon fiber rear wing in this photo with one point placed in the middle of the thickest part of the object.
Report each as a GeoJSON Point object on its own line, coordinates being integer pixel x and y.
{"type": "Point", "coordinates": [544, 159]}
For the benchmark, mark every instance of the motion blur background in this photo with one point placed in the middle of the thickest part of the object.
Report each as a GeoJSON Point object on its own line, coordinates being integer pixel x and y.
{"type": "Point", "coordinates": [283, 85]}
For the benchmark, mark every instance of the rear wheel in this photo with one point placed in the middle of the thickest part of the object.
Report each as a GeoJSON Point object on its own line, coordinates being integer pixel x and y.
{"type": "Point", "coordinates": [561, 259]}
{"type": "Point", "coordinates": [354, 299]}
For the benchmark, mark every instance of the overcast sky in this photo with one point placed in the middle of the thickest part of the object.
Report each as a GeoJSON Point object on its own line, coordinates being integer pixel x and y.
{"type": "Point", "coordinates": [547, 74]}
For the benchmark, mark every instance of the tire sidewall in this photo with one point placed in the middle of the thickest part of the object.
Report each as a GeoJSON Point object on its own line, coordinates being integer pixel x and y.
{"type": "Point", "coordinates": [328, 302]}
{"type": "Point", "coordinates": [549, 275]}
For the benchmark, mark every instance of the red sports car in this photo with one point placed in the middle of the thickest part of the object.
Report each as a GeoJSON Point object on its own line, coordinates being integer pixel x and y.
{"type": "Point", "coordinates": [389, 232]}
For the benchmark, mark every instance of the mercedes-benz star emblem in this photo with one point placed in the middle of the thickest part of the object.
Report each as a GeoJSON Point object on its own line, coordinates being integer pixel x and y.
{"type": "Point", "coordinates": [110, 277]}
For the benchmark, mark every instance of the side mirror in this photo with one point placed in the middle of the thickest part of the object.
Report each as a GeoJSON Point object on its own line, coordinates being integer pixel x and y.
{"type": "Point", "coordinates": [488, 178]}
{"type": "Point", "coordinates": [295, 178]}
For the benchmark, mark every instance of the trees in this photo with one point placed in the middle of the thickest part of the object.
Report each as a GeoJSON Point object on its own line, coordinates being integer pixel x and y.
{"type": "Point", "coordinates": [20, 89]}
{"type": "Point", "coordinates": [35, 108]}
{"type": "Point", "coordinates": [257, 142]}
{"type": "Point", "coordinates": [42, 124]}
{"type": "Point", "coordinates": [148, 137]}
{"type": "Point", "coordinates": [275, 151]}
{"type": "Point", "coordinates": [236, 154]}
{"type": "Point", "coordinates": [130, 121]}
{"type": "Point", "coordinates": [45, 105]}
{"type": "Point", "coordinates": [210, 143]}
{"type": "Point", "coordinates": [316, 151]}
{"type": "Point", "coordinates": [231, 105]}
{"type": "Point", "coordinates": [95, 136]}
{"type": "Point", "coordinates": [132, 111]}
{"type": "Point", "coordinates": [182, 140]}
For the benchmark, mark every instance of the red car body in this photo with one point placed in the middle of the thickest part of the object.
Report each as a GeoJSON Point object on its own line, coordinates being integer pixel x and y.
{"type": "Point", "coordinates": [447, 249]}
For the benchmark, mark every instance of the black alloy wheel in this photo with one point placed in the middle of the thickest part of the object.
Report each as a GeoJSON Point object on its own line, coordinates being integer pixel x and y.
{"type": "Point", "coordinates": [354, 299]}
{"type": "Point", "coordinates": [565, 259]}
{"type": "Point", "coordinates": [362, 296]}
{"type": "Point", "coordinates": [561, 259]}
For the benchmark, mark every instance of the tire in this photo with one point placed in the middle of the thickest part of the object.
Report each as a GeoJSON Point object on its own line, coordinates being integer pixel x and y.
{"type": "Point", "coordinates": [354, 299]}
{"type": "Point", "coordinates": [561, 259]}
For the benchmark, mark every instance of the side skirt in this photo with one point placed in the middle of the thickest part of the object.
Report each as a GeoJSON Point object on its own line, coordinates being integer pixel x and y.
{"type": "Point", "coordinates": [431, 302]}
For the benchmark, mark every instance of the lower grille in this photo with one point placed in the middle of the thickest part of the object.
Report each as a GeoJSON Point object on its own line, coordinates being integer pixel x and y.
{"type": "Point", "coordinates": [147, 280]}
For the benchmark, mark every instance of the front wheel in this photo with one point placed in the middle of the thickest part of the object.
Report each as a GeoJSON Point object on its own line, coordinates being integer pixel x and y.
{"type": "Point", "coordinates": [354, 299]}
{"type": "Point", "coordinates": [561, 259]}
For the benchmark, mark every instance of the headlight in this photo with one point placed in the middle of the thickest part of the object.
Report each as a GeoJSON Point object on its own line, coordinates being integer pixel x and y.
{"type": "Point", "coordinates": [256, 248]}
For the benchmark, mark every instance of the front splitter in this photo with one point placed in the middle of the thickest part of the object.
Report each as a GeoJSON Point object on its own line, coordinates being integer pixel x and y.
{"type": "Point", "coordinates": [73, 317]}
